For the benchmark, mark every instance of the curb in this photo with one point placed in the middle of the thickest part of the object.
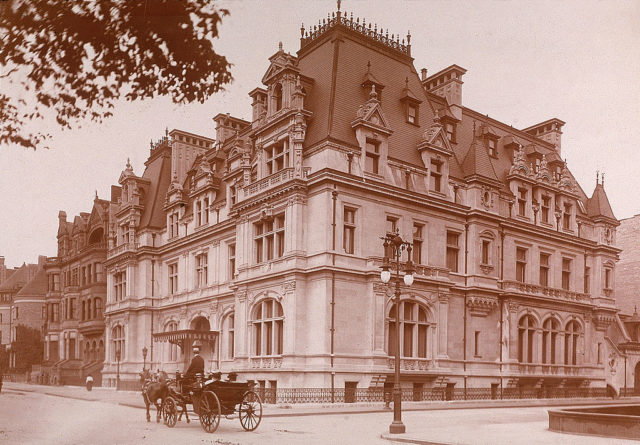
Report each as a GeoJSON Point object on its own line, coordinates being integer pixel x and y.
{"type": "Point", "coordinates": [394, 438]}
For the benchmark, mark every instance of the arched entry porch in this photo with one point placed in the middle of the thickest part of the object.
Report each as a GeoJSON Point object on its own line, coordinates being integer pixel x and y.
{"type": "Point", "coordinates": [199, 333]}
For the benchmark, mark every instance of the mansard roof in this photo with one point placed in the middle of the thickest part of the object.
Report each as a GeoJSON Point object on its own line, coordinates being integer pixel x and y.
{"type": "Point", "coordinates": [598, 205]}
{"type": "Point", "coordinates": [158, 173]}
{"type": "Point", "coordinates": [19, 278]}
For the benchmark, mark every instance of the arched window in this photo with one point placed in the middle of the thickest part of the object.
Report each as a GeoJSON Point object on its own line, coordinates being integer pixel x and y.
{"type": "Point", "coordinates": [228, 335]}
{"type": "Point", "coordinates": [94, 352]}
{"type": "Point", "coordinates": [571, 342]}
{"type": "Point", "coordinates": [277, 97]}
{"type": "Point", "coordinates": [267, 328]}
{"type": "Point", "coordinates": [97, 308]}
{"type": "Point", "coordinates": [414, 329]}
{"type": "Point", "coordinates": [526, 335]}
{"type": "Point", "coordinates": [89, 309]}
{"type": "Point", "coordinates": [172, 348]}
{"type": "Point", "coordinates": [101, 350]}
{"type": "Point", "coordinates": [117, 343]}
{"type": "Point", "coordinates": [550, 330]}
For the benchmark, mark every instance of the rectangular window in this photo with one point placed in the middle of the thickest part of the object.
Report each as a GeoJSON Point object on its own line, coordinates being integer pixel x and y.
{"type": "Point", "coordinates": [198, 213]}
{"type": "Point", "coordinates": [566, 217]}
{"type": "Point", "coordinates": [119, 284]}
{"type": "Point", "coordinates": [546, 204]}
{"type": "Point", "coordinates": [587, 280]}
{"type": "Point", "coordinates": [417, 243]}
{"type": "Point", "coordinates": [202, 268]}
{"type": "Point", "coordinates": [349, 230]}
{"type": "Point", "coordinates": [277, 158]}
{"type": "Point", "coordinates": [173, 224]}
{"type": "Point", "coordinates": [566, 273]}
{"type": "Point", "coordinates": [72, 305]}
{"type": "Point", "coordinates": [599, 353]}
{"type": "Point", "coordinates": [450, 129]}
{"type": "Point", "coordinates": [476, 344]}
{"type": "Point", "coordinates": [232, 261]}
{"type": "Point", "coordinates": [232, 194]}
{"type": "Point", "coordinates": [485, 251]}
{"type": "Point", "coordinates": [492, 144]}
{"type": "Point", "coordinates": [412, 114]}
{"type": "Point", "coordinates": [521, 264]}
{"type": "Point", "coordinates": [269, 239]}
{"type": "Point", "coordinates": [435, 174]}
{"type": "Point", "coordinates": [607, 278]}
{"type": "Point", "coordinates": [372, 156]}
{"type": "Point", "coordinates": [172, 273]}
{"type": "Point", "coordinates": [392, 224]}
{"type": "Point", "coordinates": [544, 269]}
{"type": "Point", "coordinates": [522, 202]}
{"type": "Point", "coordinates": [205, 211]}
{"type": "Point", "coordinates": [452, 251]}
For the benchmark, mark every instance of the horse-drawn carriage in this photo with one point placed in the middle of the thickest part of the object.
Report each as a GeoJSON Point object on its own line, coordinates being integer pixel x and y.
{"type": "Point", "coordinates": [211, 399]}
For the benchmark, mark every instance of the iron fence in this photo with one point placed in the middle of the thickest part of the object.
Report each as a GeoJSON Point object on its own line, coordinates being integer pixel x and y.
{"type": "Point", "coordinates": [362, 395]}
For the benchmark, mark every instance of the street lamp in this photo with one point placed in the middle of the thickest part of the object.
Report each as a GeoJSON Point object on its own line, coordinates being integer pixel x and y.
{"type": "Point", "coordinates": [118, 372]}
{"type": "Point", "coordinates": [393, 248]}
{"type": "Point", "coordinates": [144, 357]}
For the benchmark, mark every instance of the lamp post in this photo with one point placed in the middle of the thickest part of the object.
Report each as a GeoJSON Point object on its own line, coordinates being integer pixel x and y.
{"type": "Point", "coordinates": [118, 372]}
{"type": "Point", "coordinates": [393, 248]}
{"type": "Point", "coordinates": [144, 358]}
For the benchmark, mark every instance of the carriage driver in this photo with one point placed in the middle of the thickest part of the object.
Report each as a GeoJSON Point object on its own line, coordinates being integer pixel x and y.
{"type": "Point", "coordinates": [197, 364]}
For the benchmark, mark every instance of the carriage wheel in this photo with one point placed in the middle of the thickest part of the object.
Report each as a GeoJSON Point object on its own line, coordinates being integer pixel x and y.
{"type": "Point", "coordinates": [250, 411]}
{"type": "Point", "coordinates": [170, 412]}
{"type": "Point", "coordinates": [209, 411]}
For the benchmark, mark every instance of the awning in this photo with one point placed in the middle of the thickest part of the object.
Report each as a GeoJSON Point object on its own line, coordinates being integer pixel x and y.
{"type": "Point", "coordinates": [179, 337]}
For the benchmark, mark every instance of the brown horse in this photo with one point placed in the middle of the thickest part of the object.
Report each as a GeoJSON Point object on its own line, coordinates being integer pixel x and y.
{"type": "Point", "coordinates": [154, 391]}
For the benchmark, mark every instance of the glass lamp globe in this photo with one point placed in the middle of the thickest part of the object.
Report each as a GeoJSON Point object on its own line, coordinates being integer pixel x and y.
{"type": "Point", "coordinates": [408, 279]}
{"type": "Point", "coordinates": [385, 276]}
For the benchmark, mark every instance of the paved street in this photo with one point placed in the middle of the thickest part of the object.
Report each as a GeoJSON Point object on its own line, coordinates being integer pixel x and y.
{"type": "Point", "coordinates": [47, 415]}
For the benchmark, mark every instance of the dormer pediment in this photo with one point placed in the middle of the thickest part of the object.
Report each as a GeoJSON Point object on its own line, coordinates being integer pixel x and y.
{"type": "Point", "coordinates": [371, 115]}
{"type": "Point", "coordinates": [435, 139]}
{"type": "Point", "coordinates": [280, 61]}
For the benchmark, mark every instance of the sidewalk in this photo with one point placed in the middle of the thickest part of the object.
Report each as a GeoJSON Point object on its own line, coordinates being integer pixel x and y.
{"type": "Point", "coordinates": [134, 399]}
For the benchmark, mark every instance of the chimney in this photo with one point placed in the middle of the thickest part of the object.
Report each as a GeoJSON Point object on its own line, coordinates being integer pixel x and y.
{"type": "Point", "coordinates": [448, 84]}
{"type": "Point", "coordinates": [423, 74]}
{"type": "Point", "coordinates": [42, 259]}
{"type": "Point", "coordinates": [549, 131]}
{"type": "Point", "coordinates": [185, 147]}
{"type": "Point", "coordinates": [62, 216]}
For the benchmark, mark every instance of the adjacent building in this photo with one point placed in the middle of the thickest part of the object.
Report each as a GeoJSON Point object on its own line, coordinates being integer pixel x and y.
{"type": "Point", "coordinates": [75, 298]}
{"type": "Point", "coordinates": [263, 244]}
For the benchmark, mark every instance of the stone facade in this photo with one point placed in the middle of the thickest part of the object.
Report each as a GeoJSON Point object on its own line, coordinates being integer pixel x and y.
{"type": "Point", "coordinates": [263, 245]}
{"type": "Point", "coordinates": [76, 295]}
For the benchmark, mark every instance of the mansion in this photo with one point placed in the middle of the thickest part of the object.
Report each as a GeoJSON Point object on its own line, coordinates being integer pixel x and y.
{"type": "Point", "coordinates": [263, 244]}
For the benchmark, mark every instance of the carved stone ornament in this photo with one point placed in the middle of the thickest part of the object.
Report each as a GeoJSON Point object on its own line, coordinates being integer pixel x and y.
{"type": "Point", "coordinates": [602, 321]}
{"type": "Point", "coordinates": [481, 306]}
{"type": "Point", "coordinates": [289, 286]}
{"type": "Point", "coordinates": [442, 297]}
{"type": "Point", "coordinates": [486, 268]}
{"type": "Point", "coordinates": [486, 197]}
{"type": "Point", "coordinates": [612, 362]}
{"type": "Point", "coordinates": [242, 296]}
{"type": "Point", "coordinates": [513, 307]}
{"type": "Point", "coordinates": [380, 289]}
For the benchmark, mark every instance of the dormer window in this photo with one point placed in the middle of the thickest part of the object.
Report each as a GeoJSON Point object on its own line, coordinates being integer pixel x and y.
{"type": "Point", "coordinates": [566, 217]}
{"type": "Point", "coordinates": [372, 156]}
{"type": "Point", "coordinates": [277, 97]}
{"type": "Point", "coordinates": [412, 114]}
{"type": "Point", "coordinates": [277, 158]}
{"type": "Point", "coordinates": [546, 205]}
{"type": "Point", "coordinates": [492, 145]}
{"type": "Point", "coordinates": [435, 173]}
{"type": "Point", "coordinates": [522, 202]}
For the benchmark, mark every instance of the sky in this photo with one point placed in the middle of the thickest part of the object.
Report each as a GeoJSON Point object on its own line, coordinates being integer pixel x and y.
{"type": "Point", "coordinates": [578, 61]}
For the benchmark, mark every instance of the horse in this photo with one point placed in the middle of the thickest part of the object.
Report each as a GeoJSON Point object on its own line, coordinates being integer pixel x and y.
{"type": "Point", "coordinates": [152, 391]}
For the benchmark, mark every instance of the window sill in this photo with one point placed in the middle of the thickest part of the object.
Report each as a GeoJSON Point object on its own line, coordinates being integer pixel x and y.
{"type": "Point", "coordinates": [201, 227]}
{"type": "Point", "coordinates": [523, 218]}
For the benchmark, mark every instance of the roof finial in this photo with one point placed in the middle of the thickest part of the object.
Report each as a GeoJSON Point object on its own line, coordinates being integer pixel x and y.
{"type": "Point", "coordinates": [166, 131]}
{"type": "Point", "coordinates": [602, 179]}
{"type": "Point", "coordinates": [280, 46]}
{"type": "Point", "coordinates": [128, 163]}
{"type": "Point", "coordinates": [474, 129]}
{"type": "Point", "coordinates": [339, 5]}
{"type": "Point", "coordinates": [368, 66]}
{"type": "Point", "coordinates": [96, 194]}
{"type": "Point", "coordinates": [373, 94]}
{"type": "Point", "coordinates": [597, 177]}
{"type": "Point", "coordinates": [406, 82]}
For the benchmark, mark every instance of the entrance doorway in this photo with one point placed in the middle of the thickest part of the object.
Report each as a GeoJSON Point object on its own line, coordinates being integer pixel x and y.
{"type": "Point", "coordinates": [636, 380]}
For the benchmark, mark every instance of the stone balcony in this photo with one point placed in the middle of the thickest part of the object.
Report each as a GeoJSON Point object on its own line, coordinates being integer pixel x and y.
{"type": "Point", "coordinates": [122, 248]}
{"type": "Point", "coordinates": [272, 181]}
{"type": "Point", "coordinates": [534, 289]}
{"type": "Point", "coordinates": [549, 370]}
{"type": "Point", "coordinates": [91, 326]}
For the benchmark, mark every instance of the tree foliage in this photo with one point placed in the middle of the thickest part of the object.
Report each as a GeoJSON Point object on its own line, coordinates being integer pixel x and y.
{"type": "Point", "coordinates": [77, 58]}
{"type": "Point", "coordinates": [28, 347]}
